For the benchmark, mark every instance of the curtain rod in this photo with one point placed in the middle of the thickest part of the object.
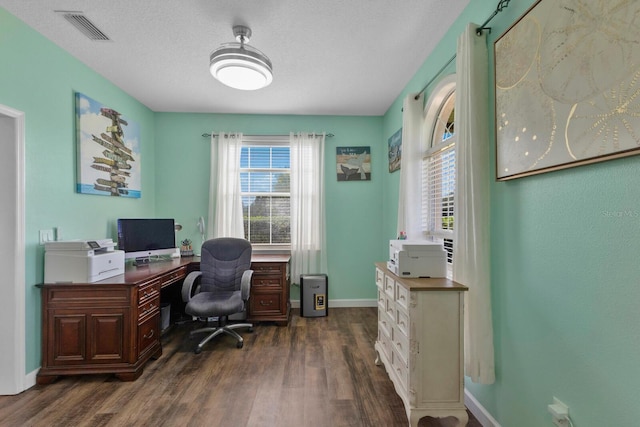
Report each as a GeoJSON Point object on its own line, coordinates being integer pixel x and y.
{"type": "Point", "coordinates": [502, 4]}
{"type": "Point", "coordinates": [208, 135]}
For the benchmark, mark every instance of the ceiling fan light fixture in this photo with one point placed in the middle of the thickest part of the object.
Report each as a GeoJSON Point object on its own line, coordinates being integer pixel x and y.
{"type": "Point", "coordinates": [239, 66]}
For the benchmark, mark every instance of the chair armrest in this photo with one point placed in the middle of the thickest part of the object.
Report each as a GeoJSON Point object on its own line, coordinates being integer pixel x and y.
{"type": "Point", "coordinates": [187, 285]}
{"type": "Point", "coordinates": [245, 285]}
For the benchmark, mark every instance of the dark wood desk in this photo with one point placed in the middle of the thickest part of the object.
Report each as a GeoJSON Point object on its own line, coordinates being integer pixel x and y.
{"type": "Point", "coordinates": [110, 326]}
{"type": "Point", "coordinates": [113, 325]}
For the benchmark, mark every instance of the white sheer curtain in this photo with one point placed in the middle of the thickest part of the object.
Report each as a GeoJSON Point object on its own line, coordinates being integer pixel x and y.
{"type": "Point", "coordinates": [410, 189]}
{"type": "Point", "coordinates": [308, 246]}
{"type": "Point", "coordinates": [225, 202]}
{"type": "Point", "coordinates": [471, 266]}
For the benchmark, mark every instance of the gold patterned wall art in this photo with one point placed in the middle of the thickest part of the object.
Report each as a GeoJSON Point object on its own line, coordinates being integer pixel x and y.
{"type": "Point", "coordinates": [567, 86]}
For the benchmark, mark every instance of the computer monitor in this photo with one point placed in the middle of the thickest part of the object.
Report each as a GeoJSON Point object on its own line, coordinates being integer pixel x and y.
{"type": "Point", "coordinates": [145, 238]}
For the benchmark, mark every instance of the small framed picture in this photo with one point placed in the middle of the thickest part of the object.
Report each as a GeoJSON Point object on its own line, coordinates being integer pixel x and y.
{"type": "Point", "coordinates": [353, 163]}
{"type": "Point", "coordinates": [395, 151]}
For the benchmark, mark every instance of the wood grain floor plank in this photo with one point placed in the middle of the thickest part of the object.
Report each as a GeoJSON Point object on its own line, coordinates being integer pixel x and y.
{"type": "Point", "coordinates": [314, 372]}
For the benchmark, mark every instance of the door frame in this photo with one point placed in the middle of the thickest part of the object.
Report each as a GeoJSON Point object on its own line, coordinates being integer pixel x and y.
{"type": "Point", "coordinates": [13, 379]}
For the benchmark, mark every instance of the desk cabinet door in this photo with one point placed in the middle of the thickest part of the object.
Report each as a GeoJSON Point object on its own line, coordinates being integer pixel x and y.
{"type": "Point", "coordinates": [88, 336]}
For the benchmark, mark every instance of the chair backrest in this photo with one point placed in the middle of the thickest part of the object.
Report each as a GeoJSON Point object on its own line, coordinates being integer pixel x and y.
{"type": "Point", "coordinates": [222, 262]}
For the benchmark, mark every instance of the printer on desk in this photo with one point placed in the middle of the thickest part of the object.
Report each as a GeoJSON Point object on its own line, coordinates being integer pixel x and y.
{"type": "Point", "coordinates": [417, 258]}
{"type": "Point", "coordinates": [82, 261]}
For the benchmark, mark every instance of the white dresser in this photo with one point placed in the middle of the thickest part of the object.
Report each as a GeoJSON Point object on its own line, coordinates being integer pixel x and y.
{"type": "Point", "coordinates": [420, 343]}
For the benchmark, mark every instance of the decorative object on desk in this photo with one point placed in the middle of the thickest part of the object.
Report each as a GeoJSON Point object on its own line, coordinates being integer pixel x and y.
{"type": "Point", "coordinates": [108, 157]}
{"type": "Point", "coordinates": [186, 249]}
{"type": "Point", "coordinates": [353, 163]}
{"type": "Point", "coordinates": [395, 151]}
{"type": "Point", "coordinates": [566, 87]}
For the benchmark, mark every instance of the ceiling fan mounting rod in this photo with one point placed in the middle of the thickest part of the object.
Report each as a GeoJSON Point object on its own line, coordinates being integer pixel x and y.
{"type": "Point", "coordinates": [242, 33]}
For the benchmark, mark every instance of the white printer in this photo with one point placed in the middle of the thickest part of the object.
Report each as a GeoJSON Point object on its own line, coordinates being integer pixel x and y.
{"type": "Point", "coordinates": [417, 258]}
{"type": "Point", "coordinates": [81, 261]}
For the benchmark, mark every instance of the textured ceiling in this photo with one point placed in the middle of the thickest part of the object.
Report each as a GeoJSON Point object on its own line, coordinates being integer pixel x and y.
{"type": "Point", "coordinates": [337, 57]}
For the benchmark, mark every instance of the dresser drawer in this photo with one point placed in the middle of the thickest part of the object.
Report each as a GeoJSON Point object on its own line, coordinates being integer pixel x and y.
{"type": "Point", "coordinates": [400, 344]}
{"type": "Point", "coordinates": [400, 369]}
{"type": "Point", "coordinates": [385, 342]}
{"type": "Point", "coordinates": [389, 286]}
{"type": "Point", "coordinates": [390, 308]}
{"type": "Point", "coordinates": [402, 322]}
{"type": "Point", "coordinates": [382, 299]}
{"type": "Point", "coordinates": [265, 303]}
{"type": "Point", "coordinates": [402, 296]}
{"type": "Point", "coordinates": [379, 278]}
{"type": "Point", "coordinates": [148, 333]}
{"type": "Point", "coordinates": [384, 322]}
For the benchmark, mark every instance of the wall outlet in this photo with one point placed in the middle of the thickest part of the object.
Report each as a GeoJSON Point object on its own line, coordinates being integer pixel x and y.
{"type": "Point", "coordinates": [46, 236]}
{"type": "Point", "coordinates": [559, 413]}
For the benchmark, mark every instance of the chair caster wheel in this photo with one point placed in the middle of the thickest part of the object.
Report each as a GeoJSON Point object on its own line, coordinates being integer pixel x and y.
{"type": "Point", "coordinates": [239, 344]}
{"type": "Point", "coordinates": [250, 329]}
{"type": "Point", "coordinates": [197, 350]}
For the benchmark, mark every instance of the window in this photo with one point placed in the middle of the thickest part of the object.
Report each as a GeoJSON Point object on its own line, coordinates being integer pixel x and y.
{"type": "Point", "coordinates": [439, 168]}
{"type": "Point", "coordinates": [265, 186]}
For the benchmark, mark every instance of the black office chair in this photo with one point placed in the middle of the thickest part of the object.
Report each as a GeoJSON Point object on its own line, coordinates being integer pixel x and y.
{"type": "Point", "coordinates": [222, 287]}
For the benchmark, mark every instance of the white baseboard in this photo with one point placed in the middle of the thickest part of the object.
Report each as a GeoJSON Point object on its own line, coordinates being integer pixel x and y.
{"type": "Point", "coordinates": [30, 379]}
{"type": "Point", "coordinates": [343, 303]}
{"type": "Point", "coordinates": [479, 411]}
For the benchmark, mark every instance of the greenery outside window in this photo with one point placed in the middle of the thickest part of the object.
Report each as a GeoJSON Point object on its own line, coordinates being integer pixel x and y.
{"type": "Point", "coordinates": [265, 189]}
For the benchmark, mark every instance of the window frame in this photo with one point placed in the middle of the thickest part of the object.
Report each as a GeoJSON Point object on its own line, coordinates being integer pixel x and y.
{"type": "Point", "coordinates": [440, 98]}
{"type": "Point", "coordinates": [267, 141]}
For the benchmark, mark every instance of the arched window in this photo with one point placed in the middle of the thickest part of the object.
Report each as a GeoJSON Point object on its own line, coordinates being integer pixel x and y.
{"type": "Point", "coordinates": [439, 165]}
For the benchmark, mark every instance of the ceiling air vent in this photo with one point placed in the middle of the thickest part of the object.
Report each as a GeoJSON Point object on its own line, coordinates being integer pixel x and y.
{"type": "Point", "coordinates": [82, 23]}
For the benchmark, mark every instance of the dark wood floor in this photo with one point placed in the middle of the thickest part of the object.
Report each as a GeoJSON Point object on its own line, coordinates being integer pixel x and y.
{"type": "Point", "coordinates": [315, 372]}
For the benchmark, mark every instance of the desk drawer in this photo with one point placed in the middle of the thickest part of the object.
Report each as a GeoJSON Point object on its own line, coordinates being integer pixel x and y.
{"type": "Point", "coordinates": [148, 291]}
{"type": "Point", "coordinates": [262, 280]}
{"type": "Point", "coordinates": [148, 333]}
{"type": "Point", "coordinates": [65, 296]}
{"type": "Point", "coordinates": [266, 303]}
{"type": "Point", "coordinates": [172, 277]}
{"type": "Point", "coordinates": [149, 307]}
{"type": "Point", "coordinates": [260, 268]}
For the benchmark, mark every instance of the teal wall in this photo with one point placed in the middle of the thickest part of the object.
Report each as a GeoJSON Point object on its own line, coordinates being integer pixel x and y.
{"type": "Point", "coordinates": [353, 219]}
{"type": "Point", "coordinates": [40, 79]}
{"type": "Point", "coordinates": [565, 290]}
{"type": "Point", "coordinates": [563, 244]}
